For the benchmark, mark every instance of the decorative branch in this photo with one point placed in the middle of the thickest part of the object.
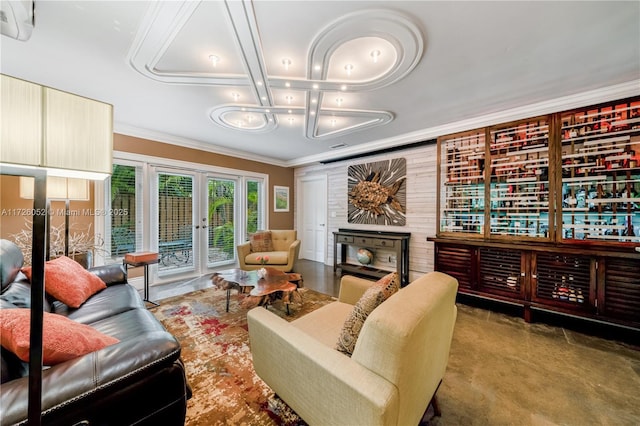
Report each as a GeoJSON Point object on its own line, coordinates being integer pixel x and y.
{"type": "Point", "coordinates": [79, 241]}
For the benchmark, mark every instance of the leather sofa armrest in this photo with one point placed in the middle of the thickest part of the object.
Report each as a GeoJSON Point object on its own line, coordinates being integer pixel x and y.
{"type": "Point", "coordinates": [110, 274]}
{"type": "Point", "coordinates": [296, 367]}
{"type": "Point", "coordinates": [79, 380]}
{"type": "Point", "coordinates": [352, 288]}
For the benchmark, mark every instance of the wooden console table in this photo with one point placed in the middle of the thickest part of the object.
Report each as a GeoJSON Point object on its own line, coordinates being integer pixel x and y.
{"type": "Point", "coordinates": [397, 242]}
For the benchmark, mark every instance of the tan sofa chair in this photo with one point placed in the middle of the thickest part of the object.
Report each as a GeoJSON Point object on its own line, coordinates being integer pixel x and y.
{"type": "Point", "coordinates": [398, 362]}
{"type": "Point", "coordinates": [286, 247]}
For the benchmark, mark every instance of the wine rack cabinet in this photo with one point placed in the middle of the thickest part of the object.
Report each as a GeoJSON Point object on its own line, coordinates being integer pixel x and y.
{"type": "Point", "coordinates": [545, 212]}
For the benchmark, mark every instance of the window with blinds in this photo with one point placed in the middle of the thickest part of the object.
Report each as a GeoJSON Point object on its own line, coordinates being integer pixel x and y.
{"type": "Point", "coordinates": [125, 233]}
{"type": "Point", "coordinates": [255, 211]}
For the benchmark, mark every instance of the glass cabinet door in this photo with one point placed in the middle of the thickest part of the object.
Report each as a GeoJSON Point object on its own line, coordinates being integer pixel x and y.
{"type": "Point", "coordinates": [462, 162]}
{"type": "Point", "coordinates": [601, 173]}
{"type": "Point", "coordinates": [519, 187]}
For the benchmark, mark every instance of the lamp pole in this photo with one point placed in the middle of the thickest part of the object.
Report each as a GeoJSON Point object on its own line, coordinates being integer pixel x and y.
{"type": "Point", "coordinates": [39, 236]}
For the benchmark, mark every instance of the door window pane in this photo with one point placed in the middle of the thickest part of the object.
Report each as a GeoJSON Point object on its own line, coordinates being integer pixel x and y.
{"type": "Point", "coordinates": [175, 222]}
{"type": "Point", "coordinates": [221, 213]}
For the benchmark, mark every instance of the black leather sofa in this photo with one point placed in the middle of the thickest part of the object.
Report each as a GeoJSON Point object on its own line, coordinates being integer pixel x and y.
{"type": "Point", "coordinates": [140, 380]}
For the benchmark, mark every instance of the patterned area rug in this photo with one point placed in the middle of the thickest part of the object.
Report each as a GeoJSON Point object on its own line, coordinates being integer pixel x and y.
{"type": "Point", "coordinates": [215, 350]}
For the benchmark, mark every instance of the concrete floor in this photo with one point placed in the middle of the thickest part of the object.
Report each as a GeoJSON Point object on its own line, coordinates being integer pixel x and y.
{"type": "Point", "coordinates": [503, 371]}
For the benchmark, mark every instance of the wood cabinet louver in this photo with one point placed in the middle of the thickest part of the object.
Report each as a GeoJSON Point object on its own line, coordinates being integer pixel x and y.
{"type": "Point", "coordinates": [622, 289]}
{"type": "Point", "coordinates": [456, 261]}
{"type": "Point", "coordinates": [564, 278]}
{"type": "Point", "coordinates": [500, 271]}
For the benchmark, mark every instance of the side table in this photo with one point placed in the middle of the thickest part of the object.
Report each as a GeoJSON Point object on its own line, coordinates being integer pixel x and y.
{"type": "Point", "coordinates": [143, 259]}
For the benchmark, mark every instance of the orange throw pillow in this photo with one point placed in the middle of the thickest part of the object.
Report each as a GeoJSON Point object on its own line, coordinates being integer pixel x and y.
{"type": "Point", "coordinates": [62, 339]}
{"type": "Point", "coordinates": [67, 281]}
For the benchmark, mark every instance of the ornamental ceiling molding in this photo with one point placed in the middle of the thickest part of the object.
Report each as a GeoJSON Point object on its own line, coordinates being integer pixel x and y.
{"type": "Point", "coordinates": [165, 20]}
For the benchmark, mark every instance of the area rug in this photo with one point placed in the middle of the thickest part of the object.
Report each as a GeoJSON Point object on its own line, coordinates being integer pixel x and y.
{"type": "Point", "coordinates": [217, 357]}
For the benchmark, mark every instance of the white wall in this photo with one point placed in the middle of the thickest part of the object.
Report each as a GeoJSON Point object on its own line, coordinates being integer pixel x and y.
{"type": "Point", "coordinates": [421, 185]}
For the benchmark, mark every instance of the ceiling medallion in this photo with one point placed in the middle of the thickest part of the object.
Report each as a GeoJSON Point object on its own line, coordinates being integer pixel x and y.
{"type": "Point", "coordinates": [394, 49]}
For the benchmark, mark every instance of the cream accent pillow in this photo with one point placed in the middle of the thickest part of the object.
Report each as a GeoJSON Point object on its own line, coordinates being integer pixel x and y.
{"type": "Point", "coordinates": [371, 299]}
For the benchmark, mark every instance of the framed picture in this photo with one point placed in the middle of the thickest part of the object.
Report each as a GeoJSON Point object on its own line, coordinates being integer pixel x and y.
{"type": "Point", "coordinates": [280, 198]}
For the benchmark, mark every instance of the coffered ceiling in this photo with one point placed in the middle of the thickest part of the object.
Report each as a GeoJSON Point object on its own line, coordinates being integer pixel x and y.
{"type": "Point", "coordinates": [295, 82]}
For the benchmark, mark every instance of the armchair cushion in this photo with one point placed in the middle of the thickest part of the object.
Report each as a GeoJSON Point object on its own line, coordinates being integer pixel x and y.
{"type": "Point", "coordinates": [261, 241]}
{"type": "Point", "coordinates": [62, 339]}
{"type": "Point", "coordinates": [68, 281]}
{"type": "Point", "coordinates": [371, 299]}
{"type": "Point", "coordinates": [273, 258]}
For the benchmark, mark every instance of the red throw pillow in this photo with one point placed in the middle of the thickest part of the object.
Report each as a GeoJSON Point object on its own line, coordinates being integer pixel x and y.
{"type": "Point", "coordinates": [62, 339]}
{"type": "Point", "coordinates": [67, 281]}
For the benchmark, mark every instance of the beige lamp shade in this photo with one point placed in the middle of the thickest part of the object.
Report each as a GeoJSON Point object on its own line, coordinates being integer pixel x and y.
{"type": "Point", "coordinates": [58, 188]}
{"type": "Point", "coordinates": [66, 134]}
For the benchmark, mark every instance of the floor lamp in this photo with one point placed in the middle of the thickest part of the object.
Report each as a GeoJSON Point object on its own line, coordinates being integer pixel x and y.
{"type": "Point", "coordinates": [48, 133]}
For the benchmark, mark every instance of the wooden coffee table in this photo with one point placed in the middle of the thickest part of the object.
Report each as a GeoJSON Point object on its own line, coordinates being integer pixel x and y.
{"type": "Point", "coordinates": [275, 283]}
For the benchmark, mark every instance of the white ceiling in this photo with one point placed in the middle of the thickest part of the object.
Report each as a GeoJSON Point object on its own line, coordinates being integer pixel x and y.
{"type": "Point", "coordinates": [443, 67]}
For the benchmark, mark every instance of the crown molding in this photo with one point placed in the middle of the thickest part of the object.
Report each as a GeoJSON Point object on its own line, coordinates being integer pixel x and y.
{"type": "Point", "coordinates": [167, 138]}
{"type": "Point", "coordinates": [605, 94]}
{"type": "Point", "coordinates": [610, 93]}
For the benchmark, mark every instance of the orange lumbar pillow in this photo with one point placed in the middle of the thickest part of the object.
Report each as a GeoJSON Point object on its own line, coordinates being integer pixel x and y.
{"type": "Point", "coordinates": [67, 281]}
{"type": "Point", "coordinates": [62, 339]}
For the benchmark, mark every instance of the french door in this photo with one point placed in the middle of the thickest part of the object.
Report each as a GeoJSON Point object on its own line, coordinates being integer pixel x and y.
{"type": "Point", "coordinates": [195, 222]}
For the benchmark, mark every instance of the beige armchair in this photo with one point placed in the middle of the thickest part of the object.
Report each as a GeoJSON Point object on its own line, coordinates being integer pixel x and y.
{"type": "Point", "coordinates": [398, 362]}
{"type": "Point", "coordinates": [281, 246]}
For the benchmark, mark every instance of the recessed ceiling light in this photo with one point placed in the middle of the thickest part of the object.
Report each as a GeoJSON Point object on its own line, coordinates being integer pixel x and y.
{"type": "Point", "coordinates": [348, 68]}
{"type": "Point", "coordinates": [287, 84]}
{"type": "Point", "coordinates": [317, 67]}
{"type": "Point", "coordinates": [313, 113]}
{"type": "Point", "coordinates": [214, 60]}
{"type": "Point", "coordinates": [314, 101]}
{"type": "Point", "coordinates": [235, 96]}
{"type": "Point", "coordinates": [288, 98]}
{"type": "Point", "coordinates": [375, 54]}
{"type": "Point", "coordinates": [289, 111]}
{"type": "Point", "coordinates": [339, 101]}
{"type": "Point", "coordinates": [244, 109]}
{"type": "Point", "coordinates": [315, 85]}
{"type": "Point", "coordinates": [259, 83]}
{"type": "Point", "coordinates": [343, 87]}
{"type": "Point", "coordinates": [286, 63]}
{"type": "Point", "coordinates": [264, 98]}
{"type": "Point", "coordinates": [268, 110]}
